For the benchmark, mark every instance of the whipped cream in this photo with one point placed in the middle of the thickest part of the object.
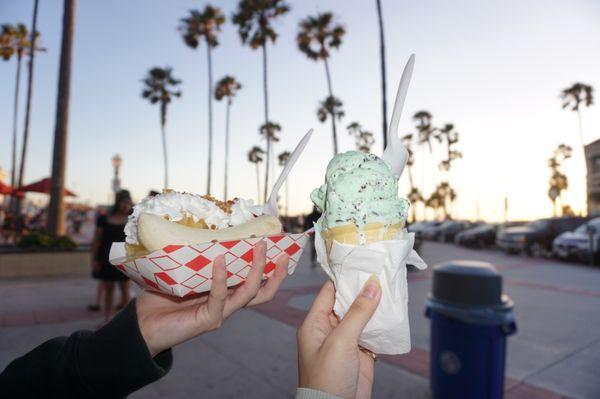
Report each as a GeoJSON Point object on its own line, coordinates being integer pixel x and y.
{"type": "Point", "coordinates": [176, 206]}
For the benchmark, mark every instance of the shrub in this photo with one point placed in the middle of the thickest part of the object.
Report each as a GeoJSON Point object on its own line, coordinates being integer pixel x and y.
{"type": "Point", "coordinates": [39, 240]}
{"type": "Point", "coordinates": [65, 243]}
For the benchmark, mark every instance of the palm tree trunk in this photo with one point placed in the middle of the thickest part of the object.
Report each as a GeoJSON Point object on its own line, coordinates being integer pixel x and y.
{"type": "Point", "coordinates": [56, 209]}
{"type": "Point", "coordinates": [585, 165]}
{"type": "Point", "coordinates": [226, 148]}
{"type": "Point", "coordinates": [412, 186]}
{"type": "Point", "coordinates": [383, 77]}
{"type": "Point", "coordinates": [580, 128]}
{"type": "Point", "coordinates": [433, 174]}
{"type": "Point", "coordinates": [410, 178]}
{"type": "Point", "coordinates": [29, 96]}
{"type": "Point", "coordinates": [266, 98]}
{"type": "Point", "coordinates": [335, 142]}
{"type": "Point", "coordinates": [210, 124]}
{"type": "Point", "coordinates": [423, 181]}
{"type": "Point", "coordinates": [13, 172]}
{"type": "Point", "coordinates": [163, 124]}
{"type": "Point", "coordinates": [287, 198]}
{"type": "Point", "coordinates": [257, 184]}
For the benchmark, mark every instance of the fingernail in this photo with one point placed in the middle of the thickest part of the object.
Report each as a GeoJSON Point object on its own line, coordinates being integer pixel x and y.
{"type": "Point", "coordinates": [371, 288]}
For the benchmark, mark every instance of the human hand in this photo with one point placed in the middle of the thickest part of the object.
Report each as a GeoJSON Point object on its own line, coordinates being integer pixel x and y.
{"type": "Point", "coordinates": [165, 321]}
{"type": "Point", "coordinates": [329, 358]}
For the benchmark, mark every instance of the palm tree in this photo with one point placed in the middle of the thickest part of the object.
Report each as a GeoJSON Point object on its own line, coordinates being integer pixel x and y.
{"type": "Point", "coordinates": [451, 136]}
{"type": "Point", "coordinates": [253, 18]}
{"type": "Point", "coordinates": [270, 132]}
{"type": "Point", "coordinates": [283, 158]}
{"type": "Point", "coordinates": [331, 106]}
{"type": "Point", "coordinates": [205, 25]}
{"type": "Point", "coordinates": [227, 87]}
{"type": "Point", "coordinates": [443, 196]}
{"type": "Point", "coordinates": [160, 87]}
{"type": "Point", "coordinates": [317, 37]}
{"type": "Point", "coordinates": [558, 180]}
{"type": "Point", "coordinates": [255, 156]}
{"type": "Point", "coordinates": [15, 41]}
{"type": "Point", "coordinates": [424, 128]}
{"type": "Point", "coordinates": [383, 77]}
{"type": "Point", "coordinates": [426, 133]}
{"type": "Point", "coordinates": [33, 48]}
{"type": "Point", "coordinates": [574, 97]}
{"type": "Point", "coordinates": [414, 195]}
{"type": "Point", "coordinates": [364, 139]}
{"type": "Point", "coordinates": [56, 209]}
{"type": "Point", "coordinates": [435, 202]}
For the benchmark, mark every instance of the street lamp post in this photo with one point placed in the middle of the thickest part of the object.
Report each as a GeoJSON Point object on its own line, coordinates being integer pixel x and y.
{"type": "Point", "coordinates": [116, 162]}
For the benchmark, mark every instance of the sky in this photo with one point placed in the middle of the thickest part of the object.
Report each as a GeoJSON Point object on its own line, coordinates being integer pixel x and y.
{"type": "Point", "coordinates": [494, 69]}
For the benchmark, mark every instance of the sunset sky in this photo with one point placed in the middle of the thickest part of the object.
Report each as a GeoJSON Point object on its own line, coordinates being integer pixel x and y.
{"type": "Point", "coordinates": [495, 69]}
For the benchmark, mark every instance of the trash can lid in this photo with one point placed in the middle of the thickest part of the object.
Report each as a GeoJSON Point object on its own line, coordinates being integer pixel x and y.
{"type": "Point", "coordinates": [467, 283]}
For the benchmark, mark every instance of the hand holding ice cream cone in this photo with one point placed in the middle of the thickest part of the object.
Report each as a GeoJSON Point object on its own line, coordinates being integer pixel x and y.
{"type": "Point", "coordinates": [329, 358]}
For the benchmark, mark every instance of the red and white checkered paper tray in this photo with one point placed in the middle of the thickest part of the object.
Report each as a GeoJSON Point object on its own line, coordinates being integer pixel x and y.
{"type": "Point", "coordinates": [182, 270]}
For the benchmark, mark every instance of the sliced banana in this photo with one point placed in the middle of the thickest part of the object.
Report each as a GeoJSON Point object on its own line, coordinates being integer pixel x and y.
{"type": "Point", "coordinates": [155, 232]}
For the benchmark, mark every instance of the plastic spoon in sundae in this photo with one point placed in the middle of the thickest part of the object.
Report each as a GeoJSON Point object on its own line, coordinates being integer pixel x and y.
{"type": "Point", "coordinates": [270, 208]}
{"type": "Point", "coordinates": [396, 153]}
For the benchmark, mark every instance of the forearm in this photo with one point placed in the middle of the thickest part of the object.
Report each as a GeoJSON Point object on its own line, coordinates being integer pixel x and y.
{"type": "Point", "coordinates": [94, 249]}
{"type": "Point", "coordinates": [109, 363]}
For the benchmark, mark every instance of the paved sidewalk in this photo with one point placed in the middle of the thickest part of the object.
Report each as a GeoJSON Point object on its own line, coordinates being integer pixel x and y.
{"type": "Point", "coordinates": [555, 354]}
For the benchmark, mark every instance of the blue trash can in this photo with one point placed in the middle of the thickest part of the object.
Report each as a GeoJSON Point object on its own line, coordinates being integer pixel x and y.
{"type": "Point", "coordinates": [470, 320]}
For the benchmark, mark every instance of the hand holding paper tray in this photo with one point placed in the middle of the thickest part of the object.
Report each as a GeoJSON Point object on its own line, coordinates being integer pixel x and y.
{"type": "Point", "coordinates": [179, 266]}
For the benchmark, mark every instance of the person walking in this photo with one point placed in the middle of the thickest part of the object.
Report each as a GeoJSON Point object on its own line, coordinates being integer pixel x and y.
{"type": "Point", "coordinates": [309, 222]}
{"type": "Point", "coordinates": [109, 229]}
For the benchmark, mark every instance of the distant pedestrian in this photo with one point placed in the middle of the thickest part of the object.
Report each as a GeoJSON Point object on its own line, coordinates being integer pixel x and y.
{"type": "Point", "coordinates": [109, 229]}
{"type": "Point", "coordinates": [309, 223]}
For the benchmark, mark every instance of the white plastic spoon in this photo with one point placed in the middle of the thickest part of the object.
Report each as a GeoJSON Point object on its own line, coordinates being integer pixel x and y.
{"type": "Point", "coordinates": [270, 208]}
{"type": "Point", "coordinates": [396, 153]}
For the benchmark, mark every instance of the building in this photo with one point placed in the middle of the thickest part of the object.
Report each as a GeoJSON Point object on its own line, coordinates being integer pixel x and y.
{"type": "Point", "coordinates": [592, 157]}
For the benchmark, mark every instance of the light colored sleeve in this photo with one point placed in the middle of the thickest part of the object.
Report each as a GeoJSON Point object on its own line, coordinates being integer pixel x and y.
{"type": "Point", "coordinates": [305, 393]}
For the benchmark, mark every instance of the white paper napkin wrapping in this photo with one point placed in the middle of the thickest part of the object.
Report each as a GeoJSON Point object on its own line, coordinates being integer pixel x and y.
{"type": "Point", "coordinates": [350, 266]}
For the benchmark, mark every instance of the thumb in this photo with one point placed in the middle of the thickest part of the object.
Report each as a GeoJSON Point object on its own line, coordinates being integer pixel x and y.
{"type": "Point", "coordinates": [360, 311]}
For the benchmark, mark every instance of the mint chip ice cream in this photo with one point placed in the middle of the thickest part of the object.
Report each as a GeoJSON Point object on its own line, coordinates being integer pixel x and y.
{"type": "Point", "coordinates": [359, 188]}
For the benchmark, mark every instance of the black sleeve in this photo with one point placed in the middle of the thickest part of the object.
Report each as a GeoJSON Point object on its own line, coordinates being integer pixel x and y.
{"type": "Point", "coordinates": [109, 363]}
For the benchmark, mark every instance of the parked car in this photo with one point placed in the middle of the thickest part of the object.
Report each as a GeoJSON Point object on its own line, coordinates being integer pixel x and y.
{"type": "Point", "coordinates": [418, 227]}
{"type": "Point", "coordinates": [536, 238]}
{"type": "Point", "coordinates": [576, 244]}
{"type": "Point", "coordinates": [481, 236]}
{"type": "Point", "coordinates": [449, 232]}
{"type": "Point", "coordinates": [431, 231]}
{"type": "Point", "coordinates": [446, 231]}
{"type": "Point", "coordinates": [418, 242]}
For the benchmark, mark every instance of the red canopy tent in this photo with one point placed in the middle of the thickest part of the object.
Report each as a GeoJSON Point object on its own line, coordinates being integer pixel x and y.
{"type": "Point", "coordinates": [43, 186]}
{"type": "Point", "coordinates": [5, 189]}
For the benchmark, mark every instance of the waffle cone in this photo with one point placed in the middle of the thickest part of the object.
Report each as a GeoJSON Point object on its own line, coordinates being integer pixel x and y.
{"type": "Point", "coordinates": [371, 232]}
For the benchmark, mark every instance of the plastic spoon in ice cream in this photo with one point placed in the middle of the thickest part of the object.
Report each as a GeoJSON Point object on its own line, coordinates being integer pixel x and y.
{"type": "Point", "coordinates": [396, 153]}
{"type": "Point", "coordinates": [270, 208]}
